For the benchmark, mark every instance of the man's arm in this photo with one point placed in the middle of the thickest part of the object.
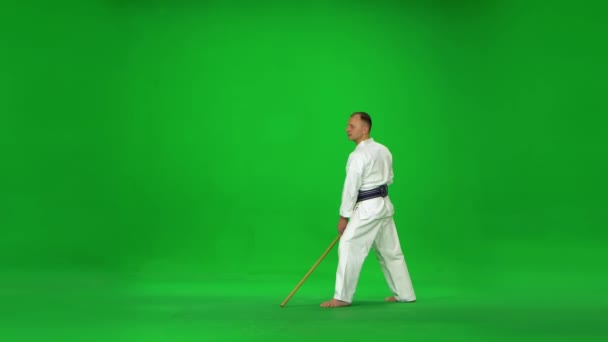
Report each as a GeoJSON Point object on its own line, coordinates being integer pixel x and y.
{"type": "Point", "coordinates": [350, 191]}
{"type": "Point", "coordinates": [391, 173]}
{"type": "Point", "coordinates": [342, 223]}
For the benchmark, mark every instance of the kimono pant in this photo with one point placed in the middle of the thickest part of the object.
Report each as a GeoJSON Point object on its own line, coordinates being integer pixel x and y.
{"type": "Point", "coordinates": [379, 234]}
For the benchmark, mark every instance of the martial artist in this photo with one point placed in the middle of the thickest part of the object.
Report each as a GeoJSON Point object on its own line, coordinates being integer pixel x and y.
{"type": "Point", "coordinates": [366, 218]}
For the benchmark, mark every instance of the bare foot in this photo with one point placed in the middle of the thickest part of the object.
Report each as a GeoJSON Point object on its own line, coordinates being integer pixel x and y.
{"type": "Point", "coordinates": [334, 303]}
{"type": "Point", "coordinates": [392, 299]}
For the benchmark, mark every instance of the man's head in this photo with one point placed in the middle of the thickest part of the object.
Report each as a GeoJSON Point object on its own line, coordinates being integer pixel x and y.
{"type": "Point", "coordinates": [359, 126]}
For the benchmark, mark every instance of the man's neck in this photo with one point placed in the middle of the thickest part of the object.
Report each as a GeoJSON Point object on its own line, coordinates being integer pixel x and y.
{"type": "Point", "coordinates": [363, 139]}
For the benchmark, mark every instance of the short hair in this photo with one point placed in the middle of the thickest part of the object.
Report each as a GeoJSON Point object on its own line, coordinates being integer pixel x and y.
{"type": "Point", "coordinates": [365, 118]}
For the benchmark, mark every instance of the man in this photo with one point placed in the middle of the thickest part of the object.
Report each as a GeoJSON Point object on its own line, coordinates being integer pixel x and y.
{"type": "Point", "coordinates": [366, 219]}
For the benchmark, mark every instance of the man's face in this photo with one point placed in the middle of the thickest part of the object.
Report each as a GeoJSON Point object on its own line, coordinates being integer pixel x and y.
{"type": "Point", "coordinates": [356, 128]}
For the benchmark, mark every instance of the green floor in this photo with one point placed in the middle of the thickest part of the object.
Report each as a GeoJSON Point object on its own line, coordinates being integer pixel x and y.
{"type": "Point", "coordinates": [85, 307]}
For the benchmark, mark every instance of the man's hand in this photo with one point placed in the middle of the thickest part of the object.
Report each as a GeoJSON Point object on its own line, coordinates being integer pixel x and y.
{"type": "Point", "coordinates": [342, 224]}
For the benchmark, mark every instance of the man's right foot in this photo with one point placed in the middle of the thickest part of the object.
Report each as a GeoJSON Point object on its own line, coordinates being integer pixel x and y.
{"type": "Point", "coordinates": [334, 303]}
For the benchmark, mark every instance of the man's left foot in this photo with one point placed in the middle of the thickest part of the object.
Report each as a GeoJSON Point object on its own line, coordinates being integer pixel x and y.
{"type": "Point", "coordinates": [334, 303]}
{"type": "Point", "coordinates": [392, 299]}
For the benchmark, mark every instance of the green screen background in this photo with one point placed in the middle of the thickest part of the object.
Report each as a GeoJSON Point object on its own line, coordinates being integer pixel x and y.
{"type": "Point", "coordinates": [153, 142]}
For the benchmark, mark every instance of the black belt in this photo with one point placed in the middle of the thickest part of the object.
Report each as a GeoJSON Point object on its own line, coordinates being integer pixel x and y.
{"type": "Point", "coordinates": [381, 191]}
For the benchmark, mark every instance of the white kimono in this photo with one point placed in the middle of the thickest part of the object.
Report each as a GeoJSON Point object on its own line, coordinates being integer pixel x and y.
{"type": "Point", "coordinates": [370, 225]}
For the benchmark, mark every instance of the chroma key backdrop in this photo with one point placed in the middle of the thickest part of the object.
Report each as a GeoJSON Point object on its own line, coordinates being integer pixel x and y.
{"type": "Point", "coordinates": [170, 170]}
